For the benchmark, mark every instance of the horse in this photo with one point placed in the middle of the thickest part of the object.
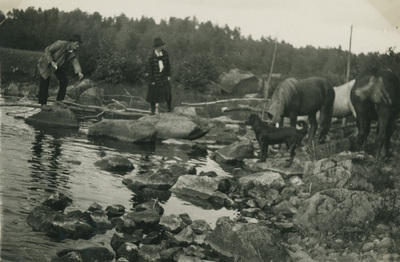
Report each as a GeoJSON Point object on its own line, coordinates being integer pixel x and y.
{"type": "Point", "coordinates": [306, 97]}
{"type": "Point", "coordinates": [376, 97]}
{"type": "Point", "coordinates": [342, 106]}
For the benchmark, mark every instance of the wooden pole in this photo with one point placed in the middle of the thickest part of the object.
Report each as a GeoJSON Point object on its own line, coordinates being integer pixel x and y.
{"type": "Point", "coordinates": [348, 58]}
{"type": "Point", "coordinates": [266, 87]}
{"type": "Point", "coordinates": [348, 68]}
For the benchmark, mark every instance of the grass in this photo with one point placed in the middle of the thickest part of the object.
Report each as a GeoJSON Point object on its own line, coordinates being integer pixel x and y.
{"type": "Point", "coordinates": [18, 65]}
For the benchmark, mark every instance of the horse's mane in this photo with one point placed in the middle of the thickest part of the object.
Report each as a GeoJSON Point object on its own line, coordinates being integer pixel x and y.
{"type": "Point", "coordinates": [283, 96]}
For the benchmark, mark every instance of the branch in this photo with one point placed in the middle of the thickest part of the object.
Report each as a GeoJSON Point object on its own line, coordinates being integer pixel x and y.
{"type": "Point", "coordinates": [222, 101]}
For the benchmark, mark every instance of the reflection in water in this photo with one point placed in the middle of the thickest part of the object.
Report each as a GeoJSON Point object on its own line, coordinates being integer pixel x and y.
{"type": "Point", "coordinates": [47, 170]}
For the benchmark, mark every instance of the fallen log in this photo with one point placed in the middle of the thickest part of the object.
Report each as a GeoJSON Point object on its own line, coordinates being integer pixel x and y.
{"type": "Point", "coordinates": [114, 113]}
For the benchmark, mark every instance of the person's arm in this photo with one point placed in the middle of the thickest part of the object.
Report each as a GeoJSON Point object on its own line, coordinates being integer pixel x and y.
{"type": "Point", "coordinates": [167, 65]}
{"type": "Point", "coordinates": [50, 50]}
{"type": "Point", "coordinates": [150, 71]}
{"type": "Point", "coordinates": [77, 67]}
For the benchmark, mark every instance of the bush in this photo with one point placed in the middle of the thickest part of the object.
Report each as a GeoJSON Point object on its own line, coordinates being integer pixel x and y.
{"type": "Point", "coordinates": [116, 67]}
{"type": "Point", "coordinates": [197, 71]}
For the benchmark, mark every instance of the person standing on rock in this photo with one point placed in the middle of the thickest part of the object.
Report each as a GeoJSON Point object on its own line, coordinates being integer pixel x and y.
{"type": "Point", "coordinates": [54, 61]}
{"type": "Point", "coordinates": [159, 76]}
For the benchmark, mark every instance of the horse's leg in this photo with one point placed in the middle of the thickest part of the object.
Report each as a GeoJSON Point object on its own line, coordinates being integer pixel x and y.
{"type": "Point", "coordinates": [313, 128]}
{"type": "Point", "coordinates": [363, 125]}
{"type": "Point", "coordinates": [325, 121]}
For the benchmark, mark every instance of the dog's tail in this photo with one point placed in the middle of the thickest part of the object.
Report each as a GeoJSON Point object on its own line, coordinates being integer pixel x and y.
{"type": "Point", "coordinates": [304, 126]}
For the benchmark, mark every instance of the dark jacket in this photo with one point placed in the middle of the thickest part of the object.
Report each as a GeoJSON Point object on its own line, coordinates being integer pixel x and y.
{"type": "Point", "coordinates": [61, 53]}
{"type": "Point", "coordinates": [159, 89]}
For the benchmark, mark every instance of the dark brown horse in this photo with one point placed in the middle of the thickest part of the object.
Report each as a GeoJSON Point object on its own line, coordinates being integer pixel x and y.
{"type": "Point", "coordinates": [294, 98]}
{"type": "Point", "coordinates": [376, 96]}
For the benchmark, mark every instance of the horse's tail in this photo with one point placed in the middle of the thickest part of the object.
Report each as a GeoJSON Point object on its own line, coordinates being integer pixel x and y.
{"type": "Point", "coordinates": [304, 126]}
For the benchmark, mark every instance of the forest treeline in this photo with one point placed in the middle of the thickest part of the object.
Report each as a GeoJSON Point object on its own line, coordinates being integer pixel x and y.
{"type": "Point", "coordinates": [115, 49]}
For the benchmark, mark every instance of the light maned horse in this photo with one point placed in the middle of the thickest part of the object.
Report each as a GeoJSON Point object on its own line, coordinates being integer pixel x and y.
{"type": "Point", "coordinates": [376, 96]}
{"type": "Point", "coordinates": [294, 98]}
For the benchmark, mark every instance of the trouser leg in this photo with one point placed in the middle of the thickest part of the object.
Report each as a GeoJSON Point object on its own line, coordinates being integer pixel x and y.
{"type": "Point", "coordinates": [43, 90]}
{"type": "Point", "coordinates": [153, 107]}
{"type": "Point", "coordinates": [63, 83]}
{"type": "Point", "coordinates": [169, 105]}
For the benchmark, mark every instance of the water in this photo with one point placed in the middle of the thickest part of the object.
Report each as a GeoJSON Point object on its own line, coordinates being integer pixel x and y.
{"type": "Point", "coordinates": [35, 163]}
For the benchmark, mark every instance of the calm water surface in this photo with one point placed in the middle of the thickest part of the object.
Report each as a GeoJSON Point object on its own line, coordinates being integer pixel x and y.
{"type": "Point", "coordinates": [34, 163]}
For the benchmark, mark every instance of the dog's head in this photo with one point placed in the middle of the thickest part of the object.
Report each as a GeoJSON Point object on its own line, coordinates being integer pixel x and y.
{"type": "Point", "coordinates": [253, 118]}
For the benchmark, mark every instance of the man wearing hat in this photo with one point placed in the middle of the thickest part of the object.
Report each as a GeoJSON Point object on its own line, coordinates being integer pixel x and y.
{"type": "Point", "coordinates": [159, 75]}
{"type": "Point", "coordinates": [54, 61]}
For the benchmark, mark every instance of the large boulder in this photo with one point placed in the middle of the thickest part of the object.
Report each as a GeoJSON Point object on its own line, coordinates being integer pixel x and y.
{"type": "Point", "coordinates": [202, 187]}
{"type": "Point", "coordinates": [56, 116]}
{"type": "Point", "coordinates": [245, 242]}
{"type": "Point", "coordinates": [348, 170]}
{"type": "Point", "coordinates": [20, 89]}
{"type": "Point", "coordinates": [171, 125]}
{"type": "Point", "coordinates": [234, 153]}
{"type": "Point", "coordinates": [74, 91]}
{"type": "Point", "coordinates": [115, 164]}
{"type": "Point", "coordinates": [92, 96]}
{"type": "Point", "coordinates": [99, 254]}
{"type": "Point", "coordinates": [333, 209]}
{"type": "Point", "coordinates": [162, 178]}
{"type": "Point", "coordinates": [240, 82]}
{"type": "Point", "coordinates": [124, 130]}
{"type": "Point", "coordinates": [57, 225]}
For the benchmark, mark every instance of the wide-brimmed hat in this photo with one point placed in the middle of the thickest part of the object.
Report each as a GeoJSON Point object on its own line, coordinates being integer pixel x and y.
{"type": "Point", "coordinates": [158, 42]}
{"type": "Point", "coordinates": [76, 38]}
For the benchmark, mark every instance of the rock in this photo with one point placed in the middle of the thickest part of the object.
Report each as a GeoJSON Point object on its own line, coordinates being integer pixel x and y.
{"type": "Point", "coordinates": [92, 96]}
{"type": "Point", "coordinates": [70, 257]}
{"type": "Point", "coordinates": [346, 170]}
{"type": "Point", "coordinates": [325, 210]}
{"type": "Point", "coordinates": [240, 82]}
{"type": "Point", "coordinates": [191, 111]}
{"type": "Point", "coordinates": [172, 223]}
{"type": "Point", "coordinates": [157, 179]}
{"type": "Point", "coordinates": [118, 239]}
{"type": "Point", "coordinates": [21, 89]}
{"type": "Point", "coordinates": [58, 225]}
{"type": "Point", "coordinates": [57, 201]}
{"type": "Point", "coordinates": [196, 186]}
{"type": "Point", "coordinates": [130, 131]}
{"type": "Point", "coordinates": [115, 211]}
{"type": "Point", "coordinates": [75, 91]}
{"type": "Point", "coordinates": [262, 180]}
{"type": "Point", "coordinates": [170, 253]}
{"type": "Point", "coordinates": [177, 126]}
{"type": "Point", "coordinates": [152, 238]}
{"type": "Point", "coordinates": [146, 220]}
{"type": "Point", "coordinates": [100, 221]}
{"type": "Point", "coordinates": [234, 153]}
{"type": "Point", "coordinates": [129, 251]}
{"type": "Point", "coordinates": [245, 242]}
{"type": "Point", "coordinates": [285, 208]}
{"type": "Point", "coordinates": [100, 254]}
{"type": "Point", "coordinates": [330, 148]}
{"type": "Point", "coordinates": [150, 253]}
{"type": "Point", "coordinates": [57, 116]}
{"type": "Point", "coordinates": [150, 205]}
{"type": "Point", "coordinates": [115, 164]}
{"type": "Point", "coordinates": [200, 226]}
{"type": "Point", "coordinates": [124, 224]}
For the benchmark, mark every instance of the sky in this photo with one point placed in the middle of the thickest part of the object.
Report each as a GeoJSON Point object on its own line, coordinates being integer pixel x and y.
{"type": "Point", "coordinates": [319, 23]}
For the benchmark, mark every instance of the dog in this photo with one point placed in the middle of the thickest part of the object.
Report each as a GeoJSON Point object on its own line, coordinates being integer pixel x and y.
{"type": "Point", "coordinates": [270, 135]}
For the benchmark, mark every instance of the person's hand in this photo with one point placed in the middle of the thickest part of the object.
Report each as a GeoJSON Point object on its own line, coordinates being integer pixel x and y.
{"type": "Point", "coordinates": [169, 78]}
{"type": "Point", "coordinates": [54, 64]}
{"type": "Point", "coordinates": [80, 75]}
{"type": "Point", "coordinates": [153, 83]}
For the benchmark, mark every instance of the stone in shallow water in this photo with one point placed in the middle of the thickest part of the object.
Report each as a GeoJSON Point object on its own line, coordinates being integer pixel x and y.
{"type": "Point", "coordinates": [56, 116]}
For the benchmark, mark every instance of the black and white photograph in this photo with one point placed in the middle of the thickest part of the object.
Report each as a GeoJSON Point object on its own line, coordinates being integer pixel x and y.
{"type": "Point", "coordinates": [200, 131]}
